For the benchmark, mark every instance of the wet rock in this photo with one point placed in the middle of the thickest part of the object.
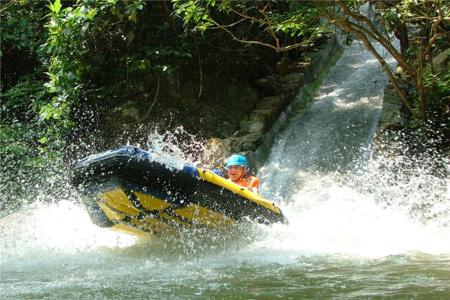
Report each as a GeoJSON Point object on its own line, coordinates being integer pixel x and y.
{"type": "Point", "coordinates": [254, 125]}
{"type": "Point", "coordinates": [272, 101]}
{"type": "Point", "coordinates": [128, 110]}
{"type": "Point", "coordinates": [268, 85]}
{"type": "Point", "coordinates": [245, 144]}
{"type": "Point", "coordinates": [442, 61]}
{"type": "Point", "coordinates": [296, 78]}
{"type": "Point", "coordinates": [289, 88]}
{"type": "Point", "coordinates": [392, 115]}
{"type": "Point", "coordinates": [290, 83]}
{"type": "Point", "coordinates": [282, 67]}
{"type": "Point", "coordinates": [262, 82]}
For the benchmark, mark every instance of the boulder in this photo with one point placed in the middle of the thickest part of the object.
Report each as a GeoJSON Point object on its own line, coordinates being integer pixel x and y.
{"type": "Point", "coordinates": [282, 67]}
{"type": "Point", "coordinates": [268, 85]}
{"type": "Point", "coordinates": [289, 88]}
{"type": "Point", "coordinates": [246, 143]}
{"type": "Point", "coordinates": [297, 78]}
{"type": "Point", "coordinates": [392, 115]}
{"type": "Point", "coordinates": [442, 61]}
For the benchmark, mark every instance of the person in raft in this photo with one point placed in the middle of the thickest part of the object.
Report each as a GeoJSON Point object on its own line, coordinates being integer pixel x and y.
{"type": "Point", "coordinates": [237, 168]}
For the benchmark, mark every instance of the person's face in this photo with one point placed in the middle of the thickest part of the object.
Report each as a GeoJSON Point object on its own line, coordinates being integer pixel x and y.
{"type": "Point", "coordinates": [235, 172]}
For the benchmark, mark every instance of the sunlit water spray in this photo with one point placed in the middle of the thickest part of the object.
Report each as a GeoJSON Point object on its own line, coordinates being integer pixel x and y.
{"type": "Point", "coordinates": [175, 148]}
{"type": "Point", "coordinates": [344, 208]}
{"type": "Point", "coordinates": [338, 220]}
{"type": "Point", "coordinates": [58, 224]}
{"type": "Point", "coordinates": [339, 199]}
{"type": "Point", "coordinates": [46, 230]}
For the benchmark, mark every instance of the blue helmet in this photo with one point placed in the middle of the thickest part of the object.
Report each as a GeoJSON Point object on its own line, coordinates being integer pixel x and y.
{"type": "Point", "coordinates": [236, 160]}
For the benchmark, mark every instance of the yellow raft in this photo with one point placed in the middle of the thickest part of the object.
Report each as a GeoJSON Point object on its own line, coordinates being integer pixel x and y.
{"type": "Point", "coordinates": [126, 189]}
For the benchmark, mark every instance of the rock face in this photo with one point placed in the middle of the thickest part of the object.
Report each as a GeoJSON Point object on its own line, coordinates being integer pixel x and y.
{"type": "Point", "coordinates": [294, 84]}
{"type": "Point", "coordinates": [393, 135]}
{"type": "Point", "coordinates": [442, 61]}
{"type": "Point", "coordinates": [392, 116]}
{"type": "Point", "coordinates": [392, 119]}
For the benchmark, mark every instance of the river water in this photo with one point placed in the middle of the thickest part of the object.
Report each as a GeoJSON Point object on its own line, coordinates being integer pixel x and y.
{"type": "Point", "coordinates": [360, 226]}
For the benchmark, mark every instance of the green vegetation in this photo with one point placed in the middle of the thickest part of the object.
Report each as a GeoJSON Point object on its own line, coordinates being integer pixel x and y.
{"type": "Point", "coordinates": [74, 66]}
{"type": "Point", "coordinates": [422, 27]}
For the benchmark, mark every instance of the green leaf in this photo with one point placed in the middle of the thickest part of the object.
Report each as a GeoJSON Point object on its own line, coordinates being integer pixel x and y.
{"type": "Point", "coordinates": [43, 140]}
{"type": "Point", "coordinates": [55, 7]}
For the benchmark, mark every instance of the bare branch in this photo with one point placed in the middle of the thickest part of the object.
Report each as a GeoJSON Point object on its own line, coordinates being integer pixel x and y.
{"type": "Point", "coordinates": [269, 26]}
{"type": "Point", "coordinates": [361, 33]}
{"type": "Point", "coordinates": [277, 48]}
{"type": "Point", "coordinates": [200, 74]}
{"type": "Point", "coordinates": [379, 37]}
{"type": "Point", "coordinates": [229, 25]}
{"type": "Point", "coordinates": [352, 27]}
{"type": "Point", "coordinates": [244, 16]}
{"type": "Point", "coordinates": [391, 76]}
{"type": "Point", "coordinates": [429, 18]}
{"type": "Point", "coordinates": [6, 6]}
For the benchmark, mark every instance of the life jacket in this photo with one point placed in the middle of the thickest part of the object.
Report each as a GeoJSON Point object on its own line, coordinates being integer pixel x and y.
{"type": "Point", "coordinates": [249, 182]}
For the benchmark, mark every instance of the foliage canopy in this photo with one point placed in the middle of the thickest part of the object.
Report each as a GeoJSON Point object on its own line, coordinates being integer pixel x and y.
{"type": "Point", "coordinates": [98, 49]}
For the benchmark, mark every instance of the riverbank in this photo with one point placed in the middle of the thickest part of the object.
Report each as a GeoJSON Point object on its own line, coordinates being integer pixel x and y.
{"type": "Point", "coordinates": [256, 133]}
{"type": "Point", "coordinates": [243, 117]}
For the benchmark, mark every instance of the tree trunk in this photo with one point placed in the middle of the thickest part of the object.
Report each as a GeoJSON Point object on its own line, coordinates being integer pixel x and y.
{"type": "Point", "coordinates": [401, 33]}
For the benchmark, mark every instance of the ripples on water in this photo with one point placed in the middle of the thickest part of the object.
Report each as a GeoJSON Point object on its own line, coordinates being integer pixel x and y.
{"type": "Point", "coordinates": [342, 241]}
{"type": "Point", "coordinates": [359, 227]}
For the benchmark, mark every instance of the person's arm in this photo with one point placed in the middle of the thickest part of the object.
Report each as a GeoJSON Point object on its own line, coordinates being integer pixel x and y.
{"type": "Point", "coordinates": [217, 172]}
{"type": "Point", "coordinates": [254, 185]}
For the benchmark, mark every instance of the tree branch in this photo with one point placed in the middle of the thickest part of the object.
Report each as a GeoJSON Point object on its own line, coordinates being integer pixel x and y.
{"type": "Point", "coordinates": [374, 33]}
{"type": "Point", "coordinates": [6, 6]}
{"type": "Point", "coordinates": [250, 42]}
{"type": "Point", "coordinates": [229, 25]}
{"type": "Point", "coordinates": [269, 25]}
{"type": "Point", "coordinates": [383, 64]}
{"type": "Point", "coordinates": [200, 89]}
{"type": "Point", "coordinates": [434, 35]}
{"type": "Point", "coordinates": [244, 16]}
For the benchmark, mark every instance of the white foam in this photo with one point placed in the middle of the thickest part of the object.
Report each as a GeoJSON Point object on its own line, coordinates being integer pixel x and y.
{"type": "Point", "coordinates": [57, 227]}
{"type": "Point", "coordinates": [339, 220]}
{"type": "Point", "coordinates": [337, 199]}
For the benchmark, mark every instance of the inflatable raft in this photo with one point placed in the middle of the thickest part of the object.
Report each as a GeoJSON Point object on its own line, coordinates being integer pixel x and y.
{"type": "Point", "coordinates": [126, 189]}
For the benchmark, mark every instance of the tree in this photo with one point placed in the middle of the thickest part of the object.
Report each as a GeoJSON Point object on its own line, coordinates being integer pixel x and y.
{"type": "Point", "coordinates": [415, 58]}
{"type": "Point", "coordinates": [279, 25]}
{"type": "Point", "coordinates": [421, 27]}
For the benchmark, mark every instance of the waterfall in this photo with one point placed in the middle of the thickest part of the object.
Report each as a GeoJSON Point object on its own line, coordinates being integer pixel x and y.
{"type": "Point", "coordinates": [359, 226]}
{"type": "Point", "coordinates": [336, 132]}
{"type": "Point", "coordinates": [338, 199]}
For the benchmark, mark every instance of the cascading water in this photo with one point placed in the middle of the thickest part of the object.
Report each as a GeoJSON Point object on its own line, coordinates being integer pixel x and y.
{"type": "Point", "coordinates": [359, 226]}
{"type": "Point", "coordinates": [338, 198]}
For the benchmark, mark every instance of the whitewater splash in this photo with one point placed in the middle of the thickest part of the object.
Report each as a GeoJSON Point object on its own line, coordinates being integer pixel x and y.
{"type": "Point", "coordinates": [45, 229]}
{"type": "Point", "coordinates": [338, 197]}
{"type": "Point", "coordinates": [57, 223]}
{"type": "Point", "coordinates": [329, 217]}
{"type": "Point", "coordinates": [330, 214]}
